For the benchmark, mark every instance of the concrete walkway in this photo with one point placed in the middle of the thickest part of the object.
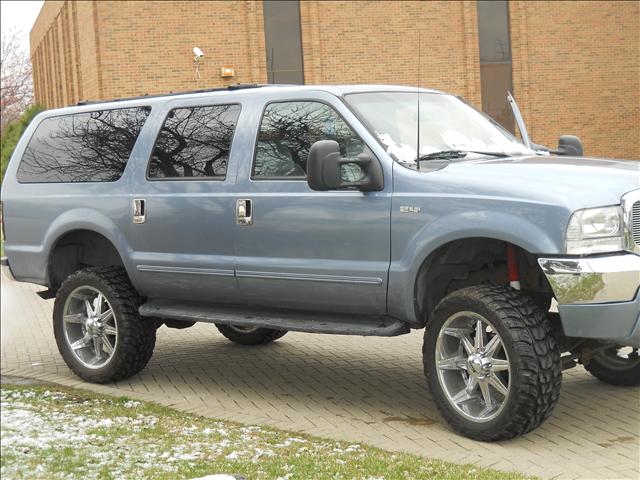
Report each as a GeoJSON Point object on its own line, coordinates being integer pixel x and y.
{"type": "Point", "coordinates": [349, 388]}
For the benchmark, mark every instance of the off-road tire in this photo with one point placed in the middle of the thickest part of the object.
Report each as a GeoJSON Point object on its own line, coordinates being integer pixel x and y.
{"type": "Point", "coordinates": [533, 354]}
{"type": "Point", "coordinates": [629, 377]}
{"type": "Point", "coordinates": [259, 336]}
{"type": "Point", "coordinates": [136, 335]}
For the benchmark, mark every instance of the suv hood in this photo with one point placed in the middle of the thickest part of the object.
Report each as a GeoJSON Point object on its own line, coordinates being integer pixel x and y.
{"type": "Point", "coordinates": [577, 182]}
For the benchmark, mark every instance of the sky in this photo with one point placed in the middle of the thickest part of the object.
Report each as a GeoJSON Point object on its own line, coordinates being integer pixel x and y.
{"type": "Point", "coordinates": [19, 15]}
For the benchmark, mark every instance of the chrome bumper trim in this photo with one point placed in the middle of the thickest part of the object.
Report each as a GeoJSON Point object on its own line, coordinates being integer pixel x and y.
{"type": "Point", "coordinates": [602, 279]}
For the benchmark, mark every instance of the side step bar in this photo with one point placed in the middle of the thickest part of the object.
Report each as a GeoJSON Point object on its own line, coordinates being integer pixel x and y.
{"type": "Point", "coordinates": [295, 321]}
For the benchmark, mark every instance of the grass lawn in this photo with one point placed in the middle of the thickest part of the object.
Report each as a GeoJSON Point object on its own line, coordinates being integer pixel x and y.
{"type": "Point", "coordinates": [51, 432]}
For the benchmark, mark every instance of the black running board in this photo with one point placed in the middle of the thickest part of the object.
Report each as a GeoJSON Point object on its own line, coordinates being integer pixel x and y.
{"type": "Point", "coordinates": [295, 321]}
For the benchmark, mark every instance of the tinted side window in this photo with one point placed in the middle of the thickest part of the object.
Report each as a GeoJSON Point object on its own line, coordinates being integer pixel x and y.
{"type": "Point", "coordinates": [84, 147]}
{"type": "Point", "coordinates": [287, 132]}
{"type": "Point", "coordinates": [194, 142]}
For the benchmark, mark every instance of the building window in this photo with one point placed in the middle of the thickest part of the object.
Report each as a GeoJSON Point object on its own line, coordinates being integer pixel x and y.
{"type": "Point", "coordinates": [283, 41]}
{"type": "Point", "coordinates": [194, 142]}
{"type": "Point", "coordinates": [82, 147]}
{"type": "Point", "coordinates": [495, 60]}
{"type": "Point", "coordinates": [288, 130]}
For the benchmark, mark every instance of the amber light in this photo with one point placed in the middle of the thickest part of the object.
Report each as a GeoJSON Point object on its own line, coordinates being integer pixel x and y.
{"type": "Point", "coordinates": [227, 72]}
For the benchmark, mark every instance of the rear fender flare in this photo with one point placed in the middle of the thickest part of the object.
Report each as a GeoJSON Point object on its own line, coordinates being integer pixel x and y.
{"type": "Point", "coordinates": [87, 219]}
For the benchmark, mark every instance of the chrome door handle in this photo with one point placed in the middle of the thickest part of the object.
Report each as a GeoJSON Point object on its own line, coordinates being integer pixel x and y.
{"type": "Point", "coordinates": [139, 210]}
{"type": "Point", "coordinates": [244, 211]}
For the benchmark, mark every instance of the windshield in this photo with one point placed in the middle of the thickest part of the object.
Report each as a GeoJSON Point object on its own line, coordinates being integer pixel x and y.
{"type": "Point", "coordinates": [446, 124]}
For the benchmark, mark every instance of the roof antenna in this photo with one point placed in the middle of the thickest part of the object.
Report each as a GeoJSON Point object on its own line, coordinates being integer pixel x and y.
{"type": "Point", "coordinates": [418, 130]}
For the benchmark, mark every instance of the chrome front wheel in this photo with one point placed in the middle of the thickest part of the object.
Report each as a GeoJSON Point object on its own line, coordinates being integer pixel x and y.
{"type": "Point", "coordinates": [492, 363]}
{"type": "Point", "coordinates": [473, 366]}
{"type": "Point", "coordinates": [90, 327]}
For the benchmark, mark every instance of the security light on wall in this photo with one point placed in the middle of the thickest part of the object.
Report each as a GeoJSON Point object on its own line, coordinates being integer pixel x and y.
{"type": "Point", "coordinates": [198, 54]}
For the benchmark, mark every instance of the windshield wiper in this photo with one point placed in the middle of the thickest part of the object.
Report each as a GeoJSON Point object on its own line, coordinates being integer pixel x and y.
{"type": "Point", "coordinates": [451, 154]}
{"type": "Point", "coordinates": [444, 154]}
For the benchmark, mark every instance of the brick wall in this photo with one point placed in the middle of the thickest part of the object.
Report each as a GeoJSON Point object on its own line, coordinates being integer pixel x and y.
{"type": "Point", "coordinates": [576, 70]}
{"type": "Point", "coordinates": [147, 47]}
{"type": "Point", "coordinates": [96, 50]}
{"type": "Point", "coordinates": [377, 42]}
{"type": "Point", "coordinates": [575, 64]}
{"type": "Point", "coordinates": [64, 51]}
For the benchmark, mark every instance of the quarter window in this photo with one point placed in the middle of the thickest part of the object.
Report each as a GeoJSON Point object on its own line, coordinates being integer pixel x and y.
{"type": "Point", "coordinates": [287, 132]}
{"type": "Point", "coordinates": [83, 147]}
{"type": "Point", "coordinates": [194, 142]}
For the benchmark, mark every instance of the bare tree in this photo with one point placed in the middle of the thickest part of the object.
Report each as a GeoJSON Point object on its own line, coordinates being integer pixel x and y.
{"type": "Point", "coordinates": [16, 86]}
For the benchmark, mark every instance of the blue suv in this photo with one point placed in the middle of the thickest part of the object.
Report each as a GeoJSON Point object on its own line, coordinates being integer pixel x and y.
{"type": "Point", "coordinates": [355, 210]}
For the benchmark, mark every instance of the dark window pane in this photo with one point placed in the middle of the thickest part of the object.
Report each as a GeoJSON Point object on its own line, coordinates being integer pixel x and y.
{"type": "Point", "coordinates": [496, 82]}
{"type": "Point", "coordinates": [283, 41]}
{"type": "Point", "coordinates": [493, 27]}
{"type": "Point", "coordinates": [495, 60]}
{"type": "Point", "coordinates": [289, 129]}
{"type": "Point", "coordinates": [85, 147]}
{"type": "Point", "coordinates": [194, 142]}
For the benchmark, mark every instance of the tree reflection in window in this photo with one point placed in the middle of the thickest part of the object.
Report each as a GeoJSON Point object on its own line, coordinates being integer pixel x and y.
{"type": "Point", "coordinates": [289, 129]}
{"type": "Point", "coordinates": [83, 147]}
{"type": "Point", "coordinates": [194, 142]}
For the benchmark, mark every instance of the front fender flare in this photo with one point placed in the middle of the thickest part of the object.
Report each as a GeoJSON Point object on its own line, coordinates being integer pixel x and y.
{"type": "Point", "coordinates": [458, 226]}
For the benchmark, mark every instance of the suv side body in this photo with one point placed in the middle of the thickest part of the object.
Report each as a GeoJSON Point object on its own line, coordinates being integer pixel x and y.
{"type": "Point", "coordinates": [261, 253]}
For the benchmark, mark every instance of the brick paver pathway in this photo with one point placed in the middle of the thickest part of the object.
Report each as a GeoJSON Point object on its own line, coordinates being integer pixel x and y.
{"type": "Point", "coordinates": [349, 388]}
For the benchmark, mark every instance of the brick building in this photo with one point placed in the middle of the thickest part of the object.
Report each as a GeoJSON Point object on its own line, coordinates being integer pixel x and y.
{"type": "Point", "coordinates": [574, 67]}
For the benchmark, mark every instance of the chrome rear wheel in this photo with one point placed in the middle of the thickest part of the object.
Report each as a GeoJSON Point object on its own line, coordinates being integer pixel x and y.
{"type": "Point", "coordinates": [97, 326]}
{"type": "Point", "coordinates": [241, 329]}
{"type": "Point", "coordinates": [90, 327]}
{"type": "Point", "coordinates": [247, 335]}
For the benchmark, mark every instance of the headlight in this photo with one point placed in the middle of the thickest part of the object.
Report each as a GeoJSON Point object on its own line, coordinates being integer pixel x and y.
{"type": "Point", "coordinates": [595, 230]}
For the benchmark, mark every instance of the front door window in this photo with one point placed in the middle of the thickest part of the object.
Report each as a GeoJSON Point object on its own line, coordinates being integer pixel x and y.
{"type": "Point", "coordinates": [287, 132]}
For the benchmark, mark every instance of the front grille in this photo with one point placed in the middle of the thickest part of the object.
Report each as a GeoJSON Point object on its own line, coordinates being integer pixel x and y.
{"type": "Point", "coordinates": [635, 222]}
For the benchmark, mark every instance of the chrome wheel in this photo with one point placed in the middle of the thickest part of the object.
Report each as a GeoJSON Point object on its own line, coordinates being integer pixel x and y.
{"type": "Point", "coordinates": [90, 327]}
{"type": "Point", "coordinates": [473, 366]}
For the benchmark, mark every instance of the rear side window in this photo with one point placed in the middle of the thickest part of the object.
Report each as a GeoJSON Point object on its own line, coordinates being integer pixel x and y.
{"type": "Point", "coordinates": [194, 142]}
{"type": "Point", "coordinates": [84, 147]}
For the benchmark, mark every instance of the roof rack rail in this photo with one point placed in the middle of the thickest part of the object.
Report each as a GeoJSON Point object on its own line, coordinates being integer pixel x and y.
{"type": "Point", "coordinates": [237, 86]}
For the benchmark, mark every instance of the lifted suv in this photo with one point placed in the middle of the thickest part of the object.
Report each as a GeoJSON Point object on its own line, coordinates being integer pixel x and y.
{"type": "Point", "coordinates": [346, 210]}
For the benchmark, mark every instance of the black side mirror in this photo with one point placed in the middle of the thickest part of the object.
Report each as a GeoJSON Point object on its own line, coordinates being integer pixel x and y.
{"type": "Point", "coordinates": [570, 145]}
{"type": "Point", "coordinates": [327, 170]}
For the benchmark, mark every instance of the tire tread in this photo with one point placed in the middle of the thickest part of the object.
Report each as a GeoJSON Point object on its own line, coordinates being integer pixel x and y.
{"type": "Point", "coordinates": [136, 336]}
{"type": "Point", "coordinates": [537, 388]}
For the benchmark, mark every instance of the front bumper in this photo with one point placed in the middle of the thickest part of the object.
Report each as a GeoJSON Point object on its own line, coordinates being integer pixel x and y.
{"type": "Point", "coordinates": [598, 297]}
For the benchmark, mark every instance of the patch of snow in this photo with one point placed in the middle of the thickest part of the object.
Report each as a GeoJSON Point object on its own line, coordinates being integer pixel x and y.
{"type": "Point", "coordinates": [217, 476]}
